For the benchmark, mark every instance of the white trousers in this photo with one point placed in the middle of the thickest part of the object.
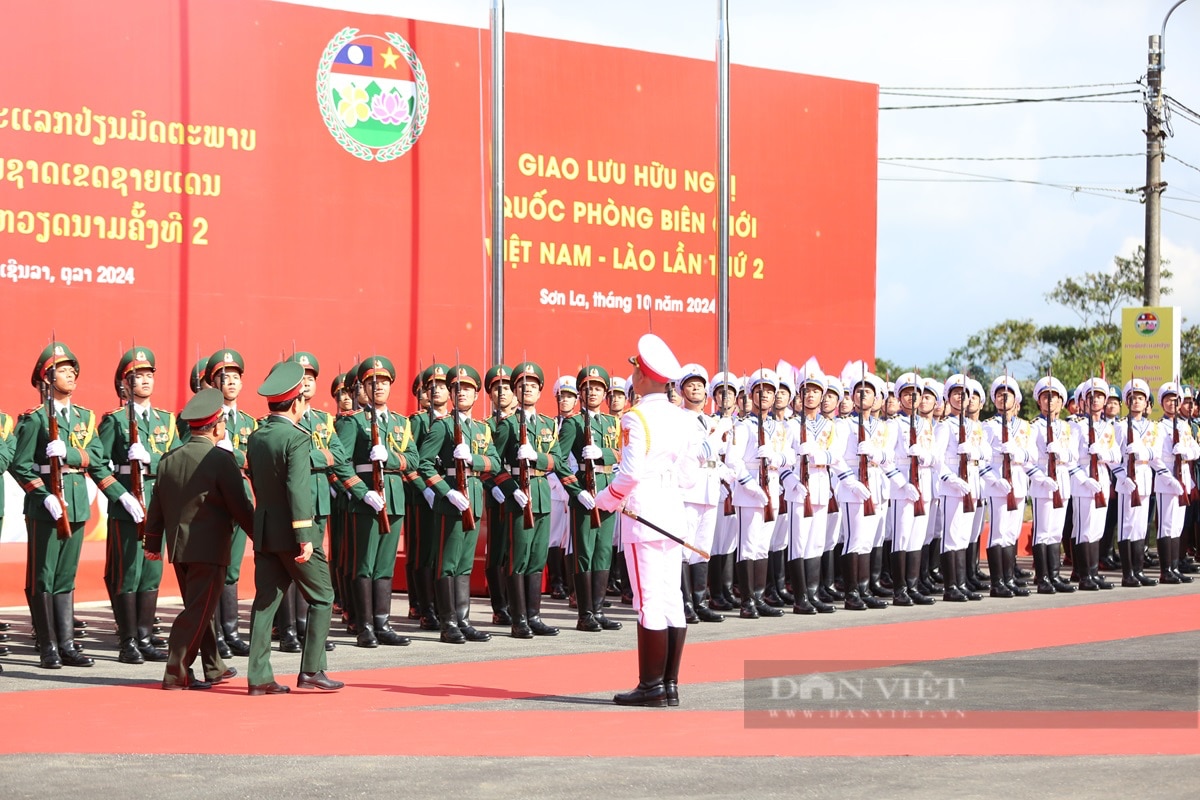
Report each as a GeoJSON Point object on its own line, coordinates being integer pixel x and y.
{"type": "Point", "coordinates": [701, 526]}
{"type": "Point", "coordinates": [654, 569]}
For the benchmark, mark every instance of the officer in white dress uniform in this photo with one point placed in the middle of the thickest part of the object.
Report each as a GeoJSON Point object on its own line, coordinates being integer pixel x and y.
{"type": "Point", "coordinates": [1009, 437]}
{"type": "Point", "coordinates": [1090, 492]}
{"type": "Point", "coordinates": [959, 495]}
{"type": "Point", "coordinates": [723, 391]}
{"type": "Point", "coordinates": [1057, 461]}
{"type": "Point", "coordinates": [661, 453]}
{"type": "Point", "coordinates": [1173, 484]}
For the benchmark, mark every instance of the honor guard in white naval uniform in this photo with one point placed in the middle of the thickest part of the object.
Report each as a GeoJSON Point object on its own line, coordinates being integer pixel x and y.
{"type": "Point", "coordinates": [567, 398]}
{"type": "Point", "coordinates": [862, 502]}
{"type": "Point", "coordinates": [1098, 451]}
{"type": "Point", "coordinates": [830, 558]}
{"type": "Point", "coordinates": [661, 450]}
{"type": "Point", "coordinates": [703, 500]}
{"type": "Point", "coordinates": [1006, 482]}
{"type": "Point", "coordinates": [910, 451]}
{"type": "Point", "coordinates": [723, 390]}
{"type": "Point", "coordinates": [1173, 483]}
{"type": "Point", "coordinates": [807, 488]}
{"type": "Point", "coordinates": [1137, 437]}
{"type": "Point", "coordinates": [960, 443]}
{"type": "Point", "coordinates": [930, 412]}
{"type": "Point", "coordinates": [776, 593]}
{"type": "Point", "coordinates": [1057, 462]}
{"type": "Point", "coordinates": [976, 578]}
{"type": "Point", "coordinates": [750, 461]}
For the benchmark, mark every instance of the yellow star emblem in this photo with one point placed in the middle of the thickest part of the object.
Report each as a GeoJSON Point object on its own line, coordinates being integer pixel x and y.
{"type": "Point", "coordinates": [389, 59]}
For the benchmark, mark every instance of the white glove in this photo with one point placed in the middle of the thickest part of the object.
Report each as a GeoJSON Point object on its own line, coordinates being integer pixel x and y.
{"type": "Point", "coordinates": [1098, 449]}
{"type": "Point", "coordinates": [867, 448]}
{"type": "Point", "coordinates": [920, 452]}
{"type": "Point", "coordinates": [1166, 484]}
{"type": "Point", "coordinates": [910, 493]}
{"type": "Point", "coordinates": [1048, 483]}
{"type": "Point", "coordinates": [855, 490]}
{"type": "Point", "coordinates": [521, 498]}
{"type": "Point", "coordinates": [138, 452]}
{"type": "Point", "coordinates": [130, 504]}
{"type": "Point", "coordinates": [462, 452]}
{"type": "Point", "coordinates": [526, 453]}
{"type": "Point", "coordinates": [789, 480]}
{"type": "Point", "coordinates": [458, 499]}
{"type": "Point", "coordinates": [996, 483]}
{"type": "Point", "coordinates": [225, 445]}
{"type": "Point", "coordinates": [1137, 448]}
{"type": "Point", "coordinates": [808, 448]}
{"type": "Point", "coordinates": [968, 449]}
{"type": "Point", "coordinates": [1181, 448]}
{"type": "Point", "coordinates": [586, 500]}
{"type": "Point", "coordinates": [429, 495]}
{"type": "Point", "coordinates": [53, 506]}
{"type": "Point", "coordinates": [769, 454]}
{"type": "Point", "coordinates": [607, 501]}
{"type": "Point", "coordinates": [379, 453]}
{"type": "Point", "coordinates": [375, 500]}
{"type": "Point", "coordinates": [1015, 453]}
{"type": "Point", "coordinates": [1125, 485]}
{"type": "Point", "coordinates": [955, 486]}
{"type": "Point", "coordinates": [724, 472]}
{"type": "Point", "coordinates": [591, 453]}
{"type": "Point", "coordinates": [56, 448]}
{"type": "Point", "coordinates": [1092, 486]}
{"type": "Point", "coordinates": [1056, 448]}
{"type": "Point", "coordinates": [757, 493]}
{"type": "Point", "coordinates": [498, 494]}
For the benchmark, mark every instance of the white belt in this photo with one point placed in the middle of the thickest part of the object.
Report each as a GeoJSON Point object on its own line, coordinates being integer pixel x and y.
{"type": "Point", "coordinates": [125, 469]}
{"type": "Point", "coordinates": [45, 469]}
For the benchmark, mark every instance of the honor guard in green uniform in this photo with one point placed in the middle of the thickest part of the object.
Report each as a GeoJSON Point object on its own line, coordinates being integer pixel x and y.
{"type": "Point", "coordinates": [7, 443]}
{"type": "Point", "coordinates": [592, 438]}
{"type": "Point", "coordinates": [457, 456]}
{"type": "Point", "coordinates": [425, 549]}
{"type": "Point", "coordinates": [528, 447]}
{"type": "Point", "coordinates": [412, 506]}
{"type": "Point", "coordinates": [224, 371]}
{"type": "Point", "coordinates": [337, 509]}
{"type": "Point", "coordinates": [132, 580]}
{"type": "Point", "coordinates": [618, 399]}
{"type": "Point", "coordinates": [377, 440]}
{"type": "Point", "coordinates": [54, 522]}
{"type": "Point", "coordinates": [288, 547]}
{"type": "Point", "coordinates": [330, 469]}
{"type": "Point", "coordinates": [498, 383]}
{"type": "Point", "coordinates": [198, 497]}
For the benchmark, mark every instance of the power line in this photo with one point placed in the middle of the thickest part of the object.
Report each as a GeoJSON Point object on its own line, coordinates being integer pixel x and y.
{"type": "Point", "coordinates": [1005, 88]}
{"type": "Point", "coordinates": [999, 179]}
{"type": "Point", "coordinates": [1012, 158]}
{"type": "Point", "coordinates": [1181, 161]}
{"type": "Point", "coordinates": [1085, 98]}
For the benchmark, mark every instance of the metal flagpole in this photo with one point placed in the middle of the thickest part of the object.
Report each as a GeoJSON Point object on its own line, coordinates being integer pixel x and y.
{"type": "Point", "coordinates": [723, 185]}
{"type": "Point", "coordinates": [497, 26]}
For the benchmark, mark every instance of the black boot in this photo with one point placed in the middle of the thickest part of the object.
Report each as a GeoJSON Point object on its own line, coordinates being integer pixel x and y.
{"type": "Point", "coordinates": [675, 637]}
{"type": "Point", "coordinates": [912, 579]}
{"type": "Point", "coordinates": [1137, 551]}
{"type": "Point", "coordinates": [812, 582]}
{"type": "Point", "coordinates": [229, 621]}
{"type": "Point", "coordinates": [1015, 585]}
{"type": "Point", "coordinates": [443, 588]}
{"type": "Point", "coordinates": [583, 601]}
{"type": "Point", "coordinates": [1094, 566]}
{"type": "Point", "coordinates": [498, 595]}
{"type": "Point", "coordinates": [826, 590]}
{"type": "Point", "coordinates": [995, 560]}
{"type": "Point", "coordinates": [533, 605]}
{"type": "Point", "coordinates": [981, 578]}
{"type": "Point", "coordinates": [685, 587]}
{"type": "Point", "coordinates": [285, 622]}
{"type": "Point", "coordinates": [875, 567]}
{"type": "Point", "coordinates": [935, 573]}
{"type": "Point", "coordinates": [802, 604]}
{"type": "Point", "coordinates": [364, 610]}
{"type": "Point", "coordinates": [462, 611]}
{"type": "Point", "coordinates": [885, 575]}
{"type": "Point", "coordinates": [853, 602]}
{"type": "Point", "coordinates": [125, 613]}
{"type": "Point", "coordinates": [745, 576]}
{"type": "Point", "coordinates": [1054, 562]}
{"type": "Point", "coordinates": [960, 570]}
{"type": "Point", "coordinates": [64, 618]}
{"type": "Point", "coordinates": [42, 610]}
{"type": "Point", "coordinates": [950, 577]}
{"type": "Point", "coordinates": [863, 573]}
{"type": "Point", "coordinates": [1041, 569]}
{"type": "Point", "coordinates": [925, 582]}
{"type": "Point", "coordinates": [517, 609]}
{"type": "Point", "coordinates": [599, 580]}
{"type": "Point", "coordinates": [900, 596]}
{"type": "Point", "coordinates": [429, 613]}
{"type": "Point", "coordinates": [759, 578]}
{"type": "Point", "coordinates": [1176, 544]}
{"type": "Point", "coordinates": [716, 588]}
{"type": "Point", "coordinates": [381, 591]}
{"type": "Point", "coordinates": [147, 607]}
{"type": "Point", "coordinates": [699, 593]}
{"type": "Point", "coordinates": [558, 581]}
{"type": "Point", "coordinates": [780, 575]}
{"type": "Point", "coordinates": [1165, 574]}
{"type": "Point", "coordinates": [652, 663]}
{"type": "Point", "coordinates": [1127, 578]}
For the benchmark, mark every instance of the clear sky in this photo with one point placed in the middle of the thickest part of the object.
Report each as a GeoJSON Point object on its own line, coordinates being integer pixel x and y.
{"type": "Point", "coordinates": [961, 243]}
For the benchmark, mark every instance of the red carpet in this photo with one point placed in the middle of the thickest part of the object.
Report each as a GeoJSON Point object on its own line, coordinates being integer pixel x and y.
{"type": "Point", "coordinates": [370, 716]}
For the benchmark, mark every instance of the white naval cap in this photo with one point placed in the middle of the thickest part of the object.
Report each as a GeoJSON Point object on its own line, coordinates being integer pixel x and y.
{"type": "Point", "coordinates": [656, 361]}
{"type": "Point", "coordinates": [787, 375]}
{"type": "Point", "coordinates": [1170, 387]}
{"type": "Point", "coordinates": [763, 375]}
{"type": "Point", "coordinates": [811, 373]}
{"type": "Point", "coordinates": [932, 386]}
{"type": "Point", "coordinates": [956, 381]}
{"type": "Point", "coordinates": [906, 380]}
{"type": "Point", "coordinates": [833, 384]}
{"type": "Point", "coordinates": [1050, 384]}
{"type": "Point", "coordinates": [691, 371]}
{"type": "Point", "coordinates": [725, 379]}
{"type": "Point", "coordinates": [1135, 385]}
{"type": "Point", "coordinates": [566, 383]}
{"type": "Point", "coordinates": [1006, 382]}
{"type": "Point", "coordinates": [976, 387]}
{"type": "Point", "coordinates": [1097, 386]}
{"type": "Point", "coordinates": [855, 372]}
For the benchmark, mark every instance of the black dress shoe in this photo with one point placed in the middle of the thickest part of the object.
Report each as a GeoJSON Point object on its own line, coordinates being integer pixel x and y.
{"type": "Point", "coordinates": [330, 646]}
{"type": "Point", "coordinates": [317, 680]}
{"type": "Point", "coordinates": [289, 643]}
{"type": "Point", "coordinates": [473, 634]}
{"type": "Point", "coordinates": [501, 618]}
{"type": "Point", "coordinates": [389, 637]}
{"type": "Point", "coordinates": [238, 646]}
{"type": "Point", "coordinates": [227, 675]}
{"type": "Point", "coordinates": [586, 623]}
{"type": "Point", "coordinates": [4, 650]}
{"type": "Point", "coordinates": [128, 652]}
{"type": "Point", "coordinates": [706, 614]}
{"type": "Point", "coordinates": [268, 688]}
{"type": "Point", "coordinates": [649, 696]}
{"type": "Point", "coordinates": [223, 649]}
{"type": "Point", "coordinates": [874, 602]}
{"type": "Point", "coordinates": [520, 630]}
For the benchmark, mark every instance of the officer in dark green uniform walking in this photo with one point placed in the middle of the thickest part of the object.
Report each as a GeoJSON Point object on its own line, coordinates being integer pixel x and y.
{"type": "Point", "coordinates": [133, 581]}
{"type": "Point", "coordinates": [592, 544]}
{"type": "Point", "coordinates": [54, 547]}
{"type": "Point", "coordinates": [384, 437]}
{"type": "Point", "coordinates": [449, 462]}
{"type": "Point", "coordinates": [287, 546]}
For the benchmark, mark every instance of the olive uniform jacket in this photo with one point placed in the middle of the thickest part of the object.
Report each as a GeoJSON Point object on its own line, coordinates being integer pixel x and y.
{"type": "Point", "coordinates": [277, 459]}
